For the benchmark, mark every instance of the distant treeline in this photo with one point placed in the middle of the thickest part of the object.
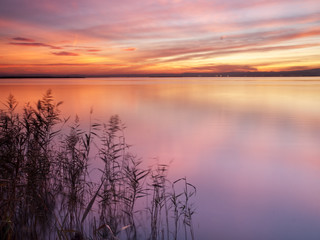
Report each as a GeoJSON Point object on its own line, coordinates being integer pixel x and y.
{"type": "Point", "coordinates": [297, 73]}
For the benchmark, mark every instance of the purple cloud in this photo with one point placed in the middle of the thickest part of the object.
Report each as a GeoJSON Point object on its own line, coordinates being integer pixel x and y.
{"type": "Point", "coordinates": [63, 53]}
{"type": "Point", "coordinates": [23, 39]}
{"type": "Point", "coordinates": [34, 44]}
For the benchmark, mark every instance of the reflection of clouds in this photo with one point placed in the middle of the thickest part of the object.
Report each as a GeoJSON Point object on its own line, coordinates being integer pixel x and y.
{"type": "Point", "coordinates": [254, 179]}
{"type": "Point", "coordinates": [254, 169]}
{"type": "Point", "coordinates": [251, 148]}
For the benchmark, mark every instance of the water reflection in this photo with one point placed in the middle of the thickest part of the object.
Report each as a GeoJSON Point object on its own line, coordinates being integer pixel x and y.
{"type": "Point", "coordinates": [250, 146]}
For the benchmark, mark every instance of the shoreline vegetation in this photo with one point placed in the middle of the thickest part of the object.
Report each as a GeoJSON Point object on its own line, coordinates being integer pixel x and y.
{"type": "Point", "coordinates": [293, 73]}
{"type": "Point", "coordinates": [45, 186]}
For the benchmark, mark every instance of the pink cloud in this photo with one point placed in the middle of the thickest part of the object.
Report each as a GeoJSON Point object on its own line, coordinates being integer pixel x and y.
{"type": "Point", "coordinates": [281, 21]}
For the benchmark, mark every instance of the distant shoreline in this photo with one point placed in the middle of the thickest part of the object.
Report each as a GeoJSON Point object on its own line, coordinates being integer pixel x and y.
{"type": "Point", "coordinates": [301, 73]}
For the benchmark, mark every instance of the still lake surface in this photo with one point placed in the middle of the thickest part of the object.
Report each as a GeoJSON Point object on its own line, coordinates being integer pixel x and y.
{"type": "Point", "coordinates": [251, 146]}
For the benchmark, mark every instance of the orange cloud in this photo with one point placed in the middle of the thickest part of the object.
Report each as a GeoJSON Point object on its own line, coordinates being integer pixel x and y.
{"type": "Point", "coordinates": [129, 49]}
{"type": "Point", "coordinates": [222, 68]}
{"type": "Point", "coordinates": [94, 50]}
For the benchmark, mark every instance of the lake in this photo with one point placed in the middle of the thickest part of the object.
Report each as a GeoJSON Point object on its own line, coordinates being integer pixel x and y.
{"type": "Point", "coordinates": [251, 146]}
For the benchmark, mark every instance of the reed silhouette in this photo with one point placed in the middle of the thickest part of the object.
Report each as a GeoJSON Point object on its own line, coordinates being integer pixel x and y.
{"type": "Point", "coordinates": [46, 191]}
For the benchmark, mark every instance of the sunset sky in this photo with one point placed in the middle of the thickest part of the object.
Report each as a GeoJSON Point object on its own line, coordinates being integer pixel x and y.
{"type": "Point", "coordinates": [157, 36]}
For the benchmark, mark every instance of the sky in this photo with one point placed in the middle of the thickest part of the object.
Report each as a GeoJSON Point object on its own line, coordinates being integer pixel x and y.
{"type": "Point", "coordinates": [97, 37]}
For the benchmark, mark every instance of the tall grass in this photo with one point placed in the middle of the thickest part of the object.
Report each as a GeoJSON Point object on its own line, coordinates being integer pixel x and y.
{"type": "Point", "coordinates": [46, 191]}
{"type": "Point", "coordinates": [27, 198]}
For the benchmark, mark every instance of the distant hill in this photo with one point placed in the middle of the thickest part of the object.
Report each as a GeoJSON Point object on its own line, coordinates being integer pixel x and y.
{"type": "Point", "coordinates": [299, 73]}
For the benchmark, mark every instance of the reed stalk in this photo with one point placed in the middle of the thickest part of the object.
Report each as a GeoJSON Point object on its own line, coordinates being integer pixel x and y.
{"type": "Point", "coordinates": [46, 191]}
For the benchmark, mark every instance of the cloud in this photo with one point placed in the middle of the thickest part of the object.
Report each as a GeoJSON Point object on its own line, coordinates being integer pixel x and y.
{"type": "Point", "coordinates": [94, 50]}
{"type": "Point", "coordinates": [280, 21]}
{"type": "Point", "coordinates": [34, 44]}
{"type": "Point", "coordinates": [222, 68]}
{"type": "Point", "coordinates": [129, 49]}
{"type": "Point", "coordinates": [264, 41]}
{"type": "Point", "coordinates": [60, 68]}
{"type": "Point", "coordinates": [64, 53]}
{"type": "Point", "coordinates": [23, 39]}
{"type": "Point", "coordinates": [177, 33]}
{"type": "Point", "coordinates": [61, 65]}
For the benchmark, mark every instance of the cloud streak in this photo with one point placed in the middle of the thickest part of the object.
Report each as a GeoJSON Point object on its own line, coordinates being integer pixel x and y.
{"type": "Point", "coordinates": [130, 49]}
{"type": "Point", "coordinates": [34, 44]}
{"type": "Point", "coordinates": [23, 39]}
{"type": "Point", "coordinates": [64, 53]}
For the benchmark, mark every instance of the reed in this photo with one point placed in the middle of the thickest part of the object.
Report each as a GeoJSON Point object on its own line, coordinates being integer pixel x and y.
{"type": "Point", "coordinates": [45, 186]}
{"type": "Point", "coordinates": [26, 197]}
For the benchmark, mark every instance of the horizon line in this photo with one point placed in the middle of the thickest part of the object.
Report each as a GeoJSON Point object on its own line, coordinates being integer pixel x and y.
{"type": "Point", "coordinates": [294, 73]}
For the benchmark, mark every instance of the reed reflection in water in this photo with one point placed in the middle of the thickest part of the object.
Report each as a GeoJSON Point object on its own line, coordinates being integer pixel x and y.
{"type": "Point", "coordinates": [251, 146]}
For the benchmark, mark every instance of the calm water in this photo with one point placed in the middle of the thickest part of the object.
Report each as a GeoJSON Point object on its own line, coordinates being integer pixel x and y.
{"type": "Point", "coordinates": [250, 145]}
